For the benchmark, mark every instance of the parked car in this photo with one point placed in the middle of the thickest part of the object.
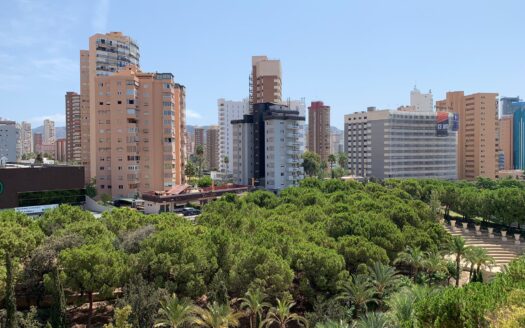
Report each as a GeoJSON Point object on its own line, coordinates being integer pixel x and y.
{"type": "Point", "coordinates": [190, 211]}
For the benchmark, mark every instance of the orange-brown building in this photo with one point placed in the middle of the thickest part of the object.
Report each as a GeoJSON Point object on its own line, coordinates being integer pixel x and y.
{"type": "Point", "coordinates": [506, 142]}
{"type": "Point", "coordinates": [265, 81]}
{"type": "Point", "coordinates": [478, 137]}
{"type": "Point", "coordinates": [60, 150]}
{"type": "Point", "coordinates": [107, 54]}
{"type": "Point", "coordinates": [139, 132]}
{"type": "Point", "coordinates": [319, 129]}
{"type": "Point", "coordinates": [73, 128]}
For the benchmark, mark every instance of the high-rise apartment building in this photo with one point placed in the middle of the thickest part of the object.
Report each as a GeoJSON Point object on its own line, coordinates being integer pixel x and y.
{"type": "Point", "coordinates": [399, 144]}
{"type": "Point", "coordinates": [509, 105]}
{"type": "Point", "coordinates": [60, 151]}
{"type": "Point", "coordinates": [336, 141]}
{"type": "Point", "coordinates": [25, 138]}
{"type": "Point", "coordinates": [139, 132]}
{"type": "Point", "coordinates": [9, 138]}
{"type": "Point", "coordinates": [518, 144]}
{"type": "Point", "coordinates": [49, 135]}
{"type": "Point", "coordinates": [229, 110]}
{"type": "Point", "coordinates": [37, 142]}
{"type": "Point", "coordinates": [505, 158]}
{"type": "Point", "coordinates": [268, 144]}
{"type": "Point", "coordinates": [421, 102]}
{"type": "Point", "coordinates": [73, 128]}
{"type": "Point", "coordinates": [319, 129]}
{"type": "Point", "coordinates": [107, 54]}
{"type": "Point", "coordinates": [478, 136]}
{"type": "Point", "coordinates": [265, 80]}
{"type": "Point", "coordinates": [199, 137]}
{"type": "Point", "coordinates": [212, 148]}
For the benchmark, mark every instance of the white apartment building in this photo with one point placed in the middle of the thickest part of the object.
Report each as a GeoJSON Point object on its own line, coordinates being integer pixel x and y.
{"type": "Point", "coordinates": [25, 141]}
{"type": "Point", "coordinates": [8, 140]}
{"type": "Point", "coordinates": [421, 102]}
{"type": "Point", "coordinates": [398, 144]}
{"type": "Point", "coordinates": [49, 136]}
{"type": "Point", "coordinates": [228, 111]}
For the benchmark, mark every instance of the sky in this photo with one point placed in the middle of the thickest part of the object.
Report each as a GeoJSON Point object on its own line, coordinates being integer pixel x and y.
{"type": "Point", "coordinates": [348, 53]}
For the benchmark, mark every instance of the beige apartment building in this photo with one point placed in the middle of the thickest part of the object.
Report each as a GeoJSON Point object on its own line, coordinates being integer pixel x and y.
{"type": "Point", "coordinates": [265, 80]}
{"type": "Point", "coordinates": [319, 129]}
{"type": "Point", "coordinates": [212, 148]}
{"type": "Point", "coordinates": [478, 136]}
{"type": "Point", "coordinates": [107, 54]}
{"type": "Point", "coordinates": [139, 132]}
{"type": "Point", "coordinates": [73, 128]}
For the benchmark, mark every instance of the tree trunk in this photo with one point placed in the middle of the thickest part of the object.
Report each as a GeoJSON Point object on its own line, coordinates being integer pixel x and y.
{"type": "Point", "coordinates": [90, 311]}
{"type": "Point", "coordinates": [458, 272]}
{"type": "Point", "coordinates": [60, 314]}
{"type": "Point", "coordinates": [10, 299]}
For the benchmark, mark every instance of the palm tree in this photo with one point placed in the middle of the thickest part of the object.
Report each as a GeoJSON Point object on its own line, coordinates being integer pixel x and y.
{"type": "Point", "coordinates": [384, 278]}
{"type": "Point", "coordinates": [216, 316]}
{"type": "Point", "coordinates": [254, 304]}
{"type": "Point", "coordinates": [372, 320]}
{"type": "Point", "coordinates": [401, 305]}
{"type": "Point", "coordinates": [458, 248]}
{"type": "Point", "coordinates": [413, 257]}
{"type": "Point", "coordinates": [282, 316]}
{"type": "Point", "coordinates": [433, 264]}
{"type": "Point", "coordinates": [478, 259]}
{"type": "Point", "coordinates": [226, 161]}
{"type": "Point", "coordinates": [342, 161]}
{"type": "Point", "coordinates": [199, 151]}
{"type": "Point", "coordinates": [331, 160]}
{"type": "Point", "coordinates": [451, 270]}
{"type": "Point", "coordinates": [357, 291]}
{"type": "Point", "coordinates": [174, 312]}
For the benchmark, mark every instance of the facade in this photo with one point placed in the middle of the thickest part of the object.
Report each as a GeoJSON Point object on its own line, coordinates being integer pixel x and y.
{"type": "Point", "coordinates": [25, 138]}
{"type": "Point", "coordinates": [212, 148]}
{"type": "Point", "coordinates": [139, 132]}
{"type": "Point", "coordinates": [509, 105]}
{"type": "Point", "coordinates": [319, 129]}
{"type": "Point", "coordinates": [107, 54]}
{"type": "Point", "coordinates": [505, 159]}
{"type": "Point", "coordinates": [336, 141]}
{"type": "Point", "coordinates": [60, 151]}
{"type": "Point", "coordinates": [518, 144]}
{"type": "Point", "coordinates": [35, 187]}
{"type": "Point", "coordinates": [199, 137]}
{"type": "Point", "coordinates": [9, 138]}
{"type": "Point", "coordinates": [478, 137]}
{"type": "Point", "coordinates": [73, 128]}
{"type": "Point", "coordinates": [37, 142]}
{"type": "Point", "coordinates": [397, 144]}
{"type": "Point", "coordinates": [265, 81]}
{"type": "Point", "coordinates": [268, 145]}
{"type": "Point", "coordinates": [421, 102]}
{"type": "Point", "coordinates": [229, 110]}
{"type": "Point", "coordinates": [49, 135]}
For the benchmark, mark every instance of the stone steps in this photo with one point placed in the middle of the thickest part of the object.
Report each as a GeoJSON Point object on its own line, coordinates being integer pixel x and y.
{"type": "Point", "coordinates": [503, 251]}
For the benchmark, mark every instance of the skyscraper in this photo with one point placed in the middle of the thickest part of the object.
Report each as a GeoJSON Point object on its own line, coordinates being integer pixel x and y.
{"type": "Point", "coordinates": [478, 142]}
{"type": "Point", "coordinates": [401, 144]}
{"type": "Point", "coordinates": [509, 105]}
{"type": "Point", "coordinates": [199, 137]}
{"type": "Point", "coordinates": [212, 148]}
{"type": "Point", "coordinates": [268, 144]}
{"type": "Point", "coordinates": [139, 131]}
{"type": "Point", "coordinates": [265, 80]}
{"type": "Point", "coordinates": [73, 128]}
{"type": "Point", "coordinates": [421, 102]}
{"type": "Point", "coordinates": [505, 160]}
{"type": "Point", "coordinates": [519, 139]}
{"type": "Point", "coordinates": [319, 129]}
{"type": "Point", "coordinates": [60, 150]}
{"type": "Point", "coordinates": [8, 140]}
{"type": "Point", "coordinates": [26, 138]}
{"type": "Point", "coordinates": [49, 135]}
{"type": "Point", "coordinates": [37, 142]}
{"type": "Point", "coordinates": [229, 110]}
{"type": "Point", "coordinates": [107, 54]}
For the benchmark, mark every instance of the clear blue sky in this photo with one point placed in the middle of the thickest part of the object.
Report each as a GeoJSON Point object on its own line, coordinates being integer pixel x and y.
{"type": "Point", "coordinates": [350, 54]}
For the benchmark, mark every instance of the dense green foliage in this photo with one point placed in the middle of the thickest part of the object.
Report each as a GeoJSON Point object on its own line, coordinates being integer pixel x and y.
{"type": "Point", "coordinates": [329, 251]}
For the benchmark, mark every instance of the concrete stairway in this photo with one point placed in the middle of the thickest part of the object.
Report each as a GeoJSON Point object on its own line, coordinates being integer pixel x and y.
{"type": "Point", "coordinates": [503, 251]}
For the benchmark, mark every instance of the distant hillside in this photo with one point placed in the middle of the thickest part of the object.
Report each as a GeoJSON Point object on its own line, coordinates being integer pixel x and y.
{"type": "Point", "coordinates": [60, 131]}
